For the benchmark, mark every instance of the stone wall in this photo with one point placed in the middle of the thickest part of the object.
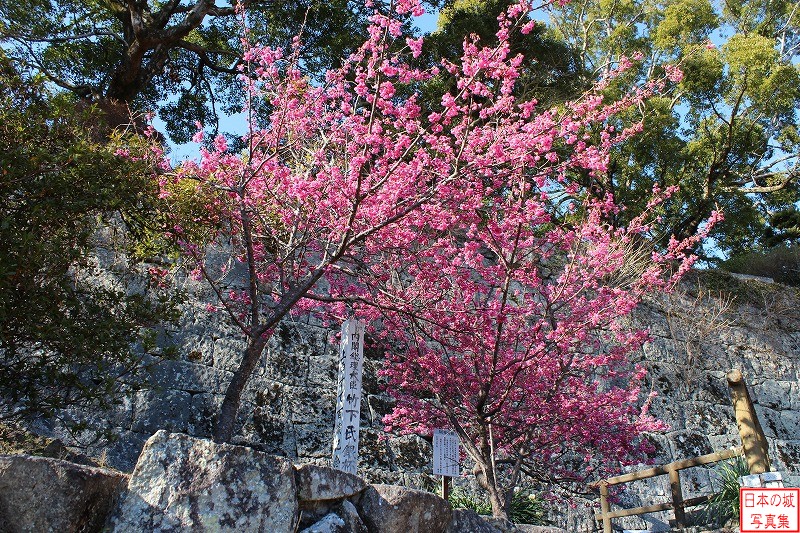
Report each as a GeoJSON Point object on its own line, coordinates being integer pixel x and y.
{"type": "Point", "coordinates": [715, 323]}
{"type": "Point", "coordinates": [700, 333]}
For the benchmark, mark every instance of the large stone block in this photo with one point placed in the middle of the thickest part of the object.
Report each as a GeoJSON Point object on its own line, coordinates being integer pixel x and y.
{"type": "Point", "coordinates": [185, 484]}
{"type": "Point", "coordinates": [790, 425]}
{"type": "Point", "coordinates": [162, 409]}
{"type": "Point", "coordinates": [325, 483]}
{"type": "Point", "coordinates": [688, 444]}
{"type": "Point", "coordinates": [186, 376]}
{"type": "Point", "coordinates": [773, 394]}
{"type": "Point", "coordinates": [394, 509]}
{"type": "Point", "coordinates": [468, 521]}
{"type": "Point", "coordinates": [39, 494]}
{"type": "Point", "coordinates": [314, 440]}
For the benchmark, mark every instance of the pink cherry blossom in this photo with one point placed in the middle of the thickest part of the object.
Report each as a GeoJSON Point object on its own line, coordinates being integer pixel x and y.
{"type": "Point", "coordinates": [446, 226]}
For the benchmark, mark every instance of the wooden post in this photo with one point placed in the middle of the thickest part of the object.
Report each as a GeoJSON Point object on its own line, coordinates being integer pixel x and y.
{"type": "Point", "coordinates": [677, 497]}
{"type": "Point", "coordinates": [754, 443]}
{"type": "Point", "coordinates": [605, 508]}
{"type": "Point", "coordinates": [445, 487]}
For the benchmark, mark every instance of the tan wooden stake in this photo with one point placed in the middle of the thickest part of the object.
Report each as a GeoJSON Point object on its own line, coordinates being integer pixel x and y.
{"type": "Point", "coordinates": [605, 508]}
{"type": "Point", "coordinates": [677, 497]}
{"type": "Point", "coordinates": [754, 443]}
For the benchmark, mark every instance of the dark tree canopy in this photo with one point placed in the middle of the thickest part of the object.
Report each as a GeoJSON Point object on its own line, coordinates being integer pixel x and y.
{"type": "Point", "coordinates": [177, 57]}
{"type": "Point", "coordinates": [65, 338]}
{"type": "Point", "coordinates": [726, 133]}
{"type": "Point", "coordinates": [551, 71]}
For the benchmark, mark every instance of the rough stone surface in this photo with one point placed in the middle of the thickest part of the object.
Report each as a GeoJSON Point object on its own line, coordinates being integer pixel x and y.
{"type": "Point", "coordinates": [289, 408]}
{"type": "Point", "coordinates": [39, 494]}
{"type": "Point", "coordinates": [394, 509]}
{"type": "Point", "coordinates": [352, 520]}
{"type": "Point", "coordinates": [316, 482]}
{"type": "Point", "coordinates": [526, 528]}
{"type": "Point", "coordinates": [185, 484]}
{"type": "Point", "coordinates": [504, 526]}
{"type": "Point", "coordinates": [468, 521]}
{"type": "Point", "coordinates": [330, 523]}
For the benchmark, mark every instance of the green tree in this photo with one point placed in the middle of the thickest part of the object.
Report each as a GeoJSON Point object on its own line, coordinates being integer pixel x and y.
{"type": "Point", "coordinates": [551, 71]}
{"type": "Point", "coordinates": [183, 54]}
{"type": "Point", "coordinates": [66, 336]}
{"type": "Point", "coordinates": [726, 132]}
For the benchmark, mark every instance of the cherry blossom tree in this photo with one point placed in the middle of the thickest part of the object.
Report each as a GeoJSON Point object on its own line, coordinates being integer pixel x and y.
{"type": "Point", "coordinates": [440, 222]}
{"type": "Point", "coordinates": [332, 167]}
{"type": "Point", "coordinates": [514, 335]}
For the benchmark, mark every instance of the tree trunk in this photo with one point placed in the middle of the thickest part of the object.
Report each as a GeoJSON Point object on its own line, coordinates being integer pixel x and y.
{"type": "Point", "coordinates": [226, 421]}
{"type": "Point", "coordinates": [500, 500]}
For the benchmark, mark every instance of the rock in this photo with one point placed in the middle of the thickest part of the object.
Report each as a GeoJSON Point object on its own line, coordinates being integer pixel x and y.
{"type": "Point", "coordinates": [42, 494]}
{"type": "Point", "coordinates": [313, 512]}
{"type": "Point", "coordinates": [468, 521]}
{"type": "Point", "coordinates": [526, 528]}
{"type": "Point", "coordinates": [394, 509]}
{"type": "Point", "coordinates": [330, 523]}
{"type": "Point", "coordinates": [352, 521]}
{"type": "Point", "coordinates": [505, 526]}
{"type": "Point", "coordinates": [185, 484]}
{"type": "Point", "coordinates": [316, 482]}
{"type": "Point", "coordinates": [155, 409]}
{"type": "Point", "coordinates": [501, 524]}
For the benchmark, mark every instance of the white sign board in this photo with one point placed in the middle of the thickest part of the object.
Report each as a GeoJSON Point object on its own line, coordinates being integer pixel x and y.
{"type": "Point", "coordinates": [446, 453]}
{"type": "Point", "coordinates": [348, 397]}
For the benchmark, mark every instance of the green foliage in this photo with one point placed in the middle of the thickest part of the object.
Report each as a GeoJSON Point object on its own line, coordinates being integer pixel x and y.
{"type": "Point", "coordinates": [781, 263]}
{"type": "Point", "coordinates": [177, 58]}
{"type": "Point", "coordinates": [684, 21]}
{"type": "Point", "coordinates": [462, 499]}
{"type": "Point", "coordinates": [724, 504]}
{"type": "Point", "coordinates": [65, 335]}
{"type": "Point", "coordinates": [550, 71]}
{"type": "Point", "coordinates": [726, 133]}
{"type": "Point", "coordinates": [784, 227]}
{"type": "Point", "coordinates": [526, 507]}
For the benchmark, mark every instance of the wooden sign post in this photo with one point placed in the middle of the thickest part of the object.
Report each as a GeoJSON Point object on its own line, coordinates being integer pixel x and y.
{"type": "Point", "coordinates": [446, 456]}
{"type": "Point", "coordinates": [348, 397]}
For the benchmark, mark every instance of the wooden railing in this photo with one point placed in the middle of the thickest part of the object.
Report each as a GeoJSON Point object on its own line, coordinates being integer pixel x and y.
{"type": "Point", "coordinates": [678, 504]}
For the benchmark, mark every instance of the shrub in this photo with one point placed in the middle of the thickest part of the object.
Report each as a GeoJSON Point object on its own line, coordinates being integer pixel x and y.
{"type": "Point", "coordinates": [781, 263]}
{"type": "Point", "coordinates": [724, 504]}
{"type": "Point", "coordinates": [66, 335]}
{"type": "Point", "coordinates": [526, 507]}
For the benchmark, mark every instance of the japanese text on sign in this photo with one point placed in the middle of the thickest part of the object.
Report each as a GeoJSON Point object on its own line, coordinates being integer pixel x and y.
{"type": "Point", "coordinates": [348, 396]}
{"type": "Point", "coordinates": [769, 509]}
{"type": "Point", "coordinates": [445, 453]}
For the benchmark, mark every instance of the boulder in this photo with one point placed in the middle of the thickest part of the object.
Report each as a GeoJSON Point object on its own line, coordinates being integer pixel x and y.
{"type": "Point", "coordinates": [316, 482]}
{"type": "Point", "coordinates": [527, 528]}
{"type": "Point", "coordinates": [181, 483]}
{"type": "Point", "coordinates": [330, 523]}
{"type": "Point", "coordinates": [393, 509]}
{"type": "Point", "coordinates": [468, 521]}
{"type": "Point", "coordinates": [312, 513]}
{"type": "Point", "coordinates": [43, 494]}
{"type": "Point", "coordinates": [349, 514]}
{"type": "Point", "coordinates": [506, 526]}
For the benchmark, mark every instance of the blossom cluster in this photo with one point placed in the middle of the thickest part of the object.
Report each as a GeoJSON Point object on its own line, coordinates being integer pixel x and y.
{"type": "Point", "coordinates": [454, 223]}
